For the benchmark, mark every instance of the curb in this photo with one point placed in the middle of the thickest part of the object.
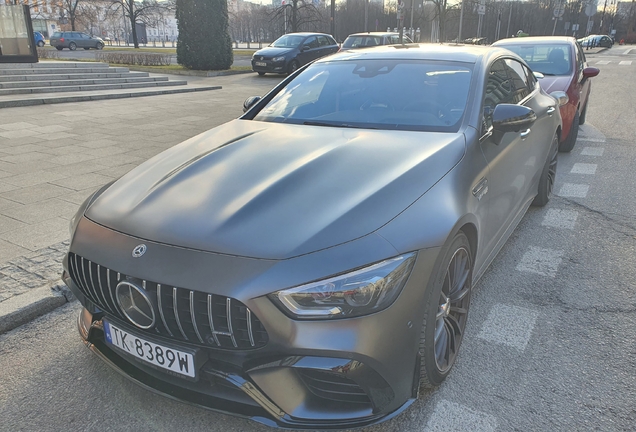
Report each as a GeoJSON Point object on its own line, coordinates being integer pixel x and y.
{"type": "Point", "coordinates": [188, 73]}
{"type": "Point", "coordinates": [84, 98]}
{"type": "Point", "coordinates": [26, 307]}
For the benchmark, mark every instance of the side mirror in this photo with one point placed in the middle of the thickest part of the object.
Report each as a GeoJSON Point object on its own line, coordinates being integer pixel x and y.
{"type": "Point", "coordinates": [561, 97]}
{"type": "Point", "coordinates": [250, 102]}
{"type": "Point", "coordinates": [305, 48]}
{"type": "Point", "coordinates": [590, 72]}
{"type": "Point", "coordinates": [538, 75]}
{"type": "Point", "coordinates": [512, 118]}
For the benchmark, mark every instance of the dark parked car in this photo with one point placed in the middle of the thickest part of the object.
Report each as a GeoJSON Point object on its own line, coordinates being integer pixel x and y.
{"type": "Point", "coordinates": [371, 39]}
{"type": "Point", "coordinates": [310, 264]}
{"type": "Point", "coordinates": [291, 51]}
{"type": "Point", "coordinates": [39, 39]}
{"type": "Point", "coordinates": [73, 40]}
{"type": "Point", "coordinates": [564, 68]}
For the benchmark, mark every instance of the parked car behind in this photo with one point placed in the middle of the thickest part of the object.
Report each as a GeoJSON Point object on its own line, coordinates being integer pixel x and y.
{"type": "Point", "coordinates": [310, 264]}
{"type": "Point", "coordinates": [39, 39]}
{"type": "Point", "coordinates": [73, 40]}
{"type": "Point", "coordinates": [371, 39]}
{"type": "Point", "coordinates": [564, 68]}
{"type": "Point", "coordinates": [291, 51]}
{"type": "Point", "coordinates": [590, 41]}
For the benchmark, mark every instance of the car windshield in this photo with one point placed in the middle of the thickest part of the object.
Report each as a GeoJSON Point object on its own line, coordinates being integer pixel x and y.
{"type": "Point", "coordinates": [288, 41]}
{"type": "Point", "coordinates": [547, 59]}
{"type": "Point", "coordinates": [375, 94]}
{"type": "Point", "coordinates": [57, 34]}
{"type": "Point", "coordinates": [362, 41]}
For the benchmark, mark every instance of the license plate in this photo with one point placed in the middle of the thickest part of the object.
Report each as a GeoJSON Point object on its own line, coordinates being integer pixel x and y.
{"type": "Point", "coordinates": [158, 355]}
{"type": "Point", "coordinates": [260, 63]}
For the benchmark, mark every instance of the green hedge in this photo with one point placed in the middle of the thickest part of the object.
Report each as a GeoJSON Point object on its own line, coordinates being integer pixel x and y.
{"type": "Point", "coordinates": [134, 58]}
{"type": "Point", "coordinates": [204, 40]}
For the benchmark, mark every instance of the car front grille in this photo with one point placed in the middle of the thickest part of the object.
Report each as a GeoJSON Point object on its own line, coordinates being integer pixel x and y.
{"type": "Point", "coordinates": [333, 386]}
{"type": "Point", "coordinates": [183, 314]}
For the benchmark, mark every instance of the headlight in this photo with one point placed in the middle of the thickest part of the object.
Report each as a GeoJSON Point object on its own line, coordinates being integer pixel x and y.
{"type": "Point", "coordinates": [360, 292]}
{"type": "Point", "coordinates": [278, 59]}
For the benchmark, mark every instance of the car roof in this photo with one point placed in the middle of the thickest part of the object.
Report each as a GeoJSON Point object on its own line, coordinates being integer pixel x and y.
{"type": "Point", "coordinates": [425, 51]}
{"type": "Point", "coordinates": [536, 40]}
{"type": "Point", "coordinates": [375, 34]}
{"type": "Point", "coordinates": [308, 34]}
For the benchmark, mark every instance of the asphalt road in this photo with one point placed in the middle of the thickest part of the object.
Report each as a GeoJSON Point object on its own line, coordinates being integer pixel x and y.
{"type": "Point", "coordinates": [550, 341]}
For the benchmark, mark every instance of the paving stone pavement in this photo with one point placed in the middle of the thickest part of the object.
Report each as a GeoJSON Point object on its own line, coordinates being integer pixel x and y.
{"type": "Point", "coordinates": [52, 157]}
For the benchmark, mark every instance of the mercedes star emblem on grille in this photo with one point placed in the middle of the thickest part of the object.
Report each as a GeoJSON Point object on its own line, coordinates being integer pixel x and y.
{"type": "Point", "coordinates": [139, 250]}
{"type": "Point", "coordinates": [135, 304]}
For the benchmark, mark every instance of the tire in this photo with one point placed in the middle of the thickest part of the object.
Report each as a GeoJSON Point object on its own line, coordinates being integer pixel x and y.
{"type": "Point", "coordinates": [59, 48]}
{"type": "Point", "coordinates": [567, 145]}
{"type": "Point", "coordinates": [99, 46]}
{"type": "Point", "coordinates": [584, 112]}
{"type": "Point", "coordinates": [41, 44]}
{"type": "Point", "coordinates": [293, 67]}
{"type": "Point", "coordinates": [72, 46]}
{"type": "Point", "coordinates": [444, 316]}
{"type": "Point", "coordinates": [261, 73]}
{"type": "Point", "coordinates": [548, 176]}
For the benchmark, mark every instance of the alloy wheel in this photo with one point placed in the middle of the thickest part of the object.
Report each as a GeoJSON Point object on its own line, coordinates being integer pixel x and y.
{"type": "Point", "coordinates": [552, 169]}
{"type": "Point", "coordinates": [452, 312]}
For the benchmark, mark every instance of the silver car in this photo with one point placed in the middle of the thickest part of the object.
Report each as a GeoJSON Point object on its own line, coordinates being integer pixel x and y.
{"type": "Point", "coordinates": [310, 264]}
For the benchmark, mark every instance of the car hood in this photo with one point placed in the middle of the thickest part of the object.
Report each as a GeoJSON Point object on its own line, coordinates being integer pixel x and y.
{"type": "Point", "coordinates": [552, 83]}
{"type": "Point", "coordinates": [275, 191]}
{"type": "Point", "coordinates": [272, 52]}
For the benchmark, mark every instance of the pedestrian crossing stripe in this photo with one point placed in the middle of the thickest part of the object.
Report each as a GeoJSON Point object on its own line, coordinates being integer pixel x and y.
{"type": "Point", "coordinates": [621, 63]}
{"type": "Point", "coordinates": [625, 63]}
{"type": "Point", "coordinates": [603, 62]}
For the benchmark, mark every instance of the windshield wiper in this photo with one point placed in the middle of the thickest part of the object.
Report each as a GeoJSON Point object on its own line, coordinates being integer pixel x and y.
{"type": "Point", "coordinates": [345, 125]}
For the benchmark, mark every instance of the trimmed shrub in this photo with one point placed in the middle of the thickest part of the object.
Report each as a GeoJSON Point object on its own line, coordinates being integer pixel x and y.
{"type": "Point", "coordinates": [140, 59]}
{"type": "Point", "coordinates": [44, 53]}
{"type": "Point", "coordinates": [204, 40]}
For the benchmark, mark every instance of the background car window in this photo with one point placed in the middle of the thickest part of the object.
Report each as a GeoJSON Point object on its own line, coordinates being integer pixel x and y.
{"type": "Point", "coordinates": [549, 59]}
{"type": "Point", "coordinates": [499, 89]}
{"type": "Point", "coordinates": [362, 41]}
{"type": "Point", "coordinates": [532, 80]}
{"type": "Point", "coordinates": [312, 42]}
{"type": "Point", "coordinates": [323, 41]}
{"type": "Point", "coordinates": [288, 41]}
{"type": "Point", "coordinates": [519, 80]}
{"type": "Point", "coordinates": [378, 94]}
{"type": "Point", "coordinates": [57, 35]}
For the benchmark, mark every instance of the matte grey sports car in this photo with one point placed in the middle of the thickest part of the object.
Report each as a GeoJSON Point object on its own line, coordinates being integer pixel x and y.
{"type": "Point", "coordinates": [310, 264]}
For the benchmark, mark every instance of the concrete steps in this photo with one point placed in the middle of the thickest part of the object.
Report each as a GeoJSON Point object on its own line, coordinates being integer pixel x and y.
{"type": "Point", "coordinates": [58, 82]}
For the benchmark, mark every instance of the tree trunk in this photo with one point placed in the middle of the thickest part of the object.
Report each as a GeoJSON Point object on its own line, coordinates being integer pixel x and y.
{"type": "Point", "coordinates": [133, 26]}
{"type": "Point", "coordinates": [294, 20]}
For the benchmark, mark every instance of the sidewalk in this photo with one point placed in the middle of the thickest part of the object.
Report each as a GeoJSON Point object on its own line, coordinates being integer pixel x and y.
{"type": "Point", "coordinates": [53, 156]}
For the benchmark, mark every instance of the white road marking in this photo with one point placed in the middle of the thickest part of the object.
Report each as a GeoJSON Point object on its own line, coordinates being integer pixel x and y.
{"type": "Point", "coordinates": [627, 51]}
{"type": "Point", "coordinates": [560, 218]}
{"type": "Point", "coordinates": [603, 62]}
{"type": "Point", "coordinates": [509, 325]}
{"type": "Point", "coordinates": [584, 138]}
{"type": "Point", "coordinates": [583, 168]}
{"type": "Point", "coordinates": [592, 151]}
{"type": "Point", "coordinates": [572, 190]}
{"type": "Point", "coordinates": [542, 261]}
{"type": "Point", "coordinates": [449, 416]}
{"type": "Point", "coordinates": [625, 63]}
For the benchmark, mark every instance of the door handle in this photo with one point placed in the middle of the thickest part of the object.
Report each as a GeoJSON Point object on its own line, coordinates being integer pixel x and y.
{"type": "Point", "coordinates": [551, 110]}
{"type": "Point", "coordinates": [524, 134]}
{"type": "Point", "coordinates": [480, 189]}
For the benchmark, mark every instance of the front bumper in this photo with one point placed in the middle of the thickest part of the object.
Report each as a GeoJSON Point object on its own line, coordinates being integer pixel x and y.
{"type": "Point", "coordinates": [294, 380]}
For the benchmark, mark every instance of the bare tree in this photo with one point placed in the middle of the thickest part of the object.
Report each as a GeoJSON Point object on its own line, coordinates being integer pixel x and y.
{"type": "Point", "coordinates": [140, 11]}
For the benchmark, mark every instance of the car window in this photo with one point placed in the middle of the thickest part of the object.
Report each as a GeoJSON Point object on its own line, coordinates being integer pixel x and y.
{"type": "Point", "coordinates": [519, 80]}
{"type": "Point", "coordinates": [499, 89]}
{"type": "Point", "coordinates": [331, 40]}
{"type": "Point", "coordinates": [362, 41]}
{"type": "Point", "coordinates": [312, 41]}
{"type": "Point", "coordinates": [532, 80]}
{"type": "Point", "coordinates": [323, 41]}
{"type": "Point", "coordinates": [288, 41]}
{"type": "Point", "coordinates": [57, 35]}
{"type": "Point", "coordinates": [377, 94]}
{"type": "Point", "coordinates": [549, 59]}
